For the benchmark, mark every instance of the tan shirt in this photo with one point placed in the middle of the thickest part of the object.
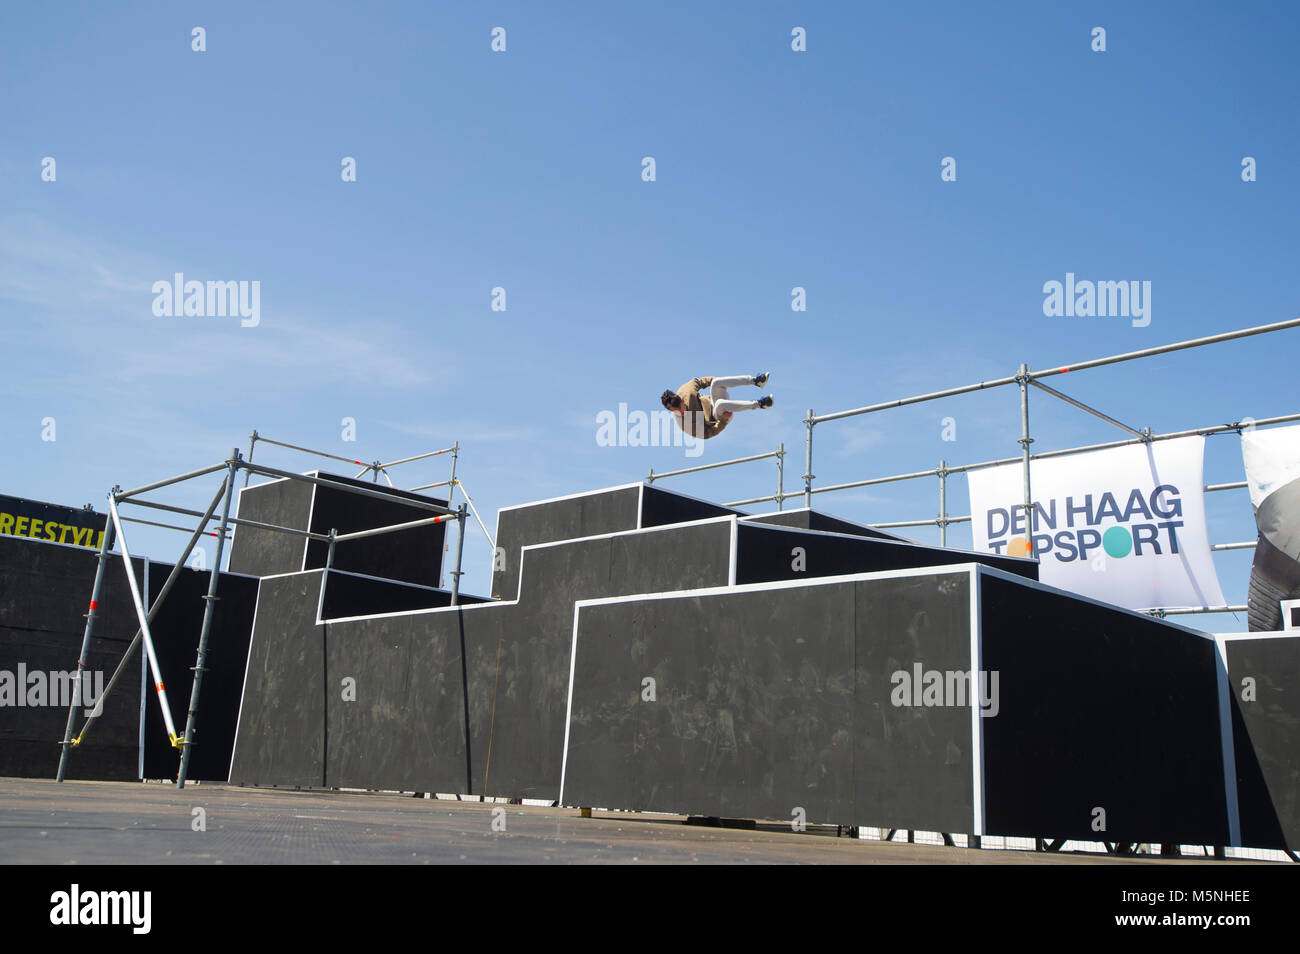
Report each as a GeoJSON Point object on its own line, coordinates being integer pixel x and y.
{"type": "Point", "coordinates": [698, 419]}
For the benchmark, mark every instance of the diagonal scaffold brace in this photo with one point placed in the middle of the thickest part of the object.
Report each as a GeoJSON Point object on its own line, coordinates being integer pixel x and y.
{"type": "Point", "coordinates": [143, 617]}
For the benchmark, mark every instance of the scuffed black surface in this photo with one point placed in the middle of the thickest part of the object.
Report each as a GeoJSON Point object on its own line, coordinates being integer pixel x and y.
{"type": "Point", "coordinates": [767, 554]}
{"type": "Point", "coordinates": [284, 503]}
{"type": "Point", "coordinates": [773, 701]}
{"type": "Point", "coordinates": [1099, 708]}
{"type": "Point", "coordinates": [347, 594]}
{"type": "Point", "coordinates": [44, 593]}
{"type": "Point", "coordinates": [412, 556]}
{"type": "Point", "coordinates": [585, 516]}
{"type": "Point", "coordinates": [1266, 739]}
{"type": "Point", "coordinates": [402, 730]}
{"type": "Point", "coordinates": [281, 734]}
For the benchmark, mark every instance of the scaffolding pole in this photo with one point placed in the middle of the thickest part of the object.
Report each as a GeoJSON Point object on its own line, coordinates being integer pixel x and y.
{"type": "Point", "coordinates": [209, 607]}
{"type": "Point", "coordinates": [105, 545]}
{"type": "Point", "coordinates": [153, 610]}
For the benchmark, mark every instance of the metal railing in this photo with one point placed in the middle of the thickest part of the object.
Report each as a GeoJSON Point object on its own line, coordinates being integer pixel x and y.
{"type": "Point", "coordinates": [113, 530]}
{"type": "Point", "coordinates": [1024, 378]}
{"type": "Point", "coordinates": [779, 454]}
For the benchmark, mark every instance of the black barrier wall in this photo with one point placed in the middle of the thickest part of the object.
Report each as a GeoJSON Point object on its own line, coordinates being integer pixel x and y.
{"type": "Point", "coordinates": [773, 702]}
{"type": "Point", "coordinates": [1107, 717]}
{"type": "Point", "coordinates": [498, 671]}
{"type": "Point", "coordinates": [1263, 690]}
{"type": "Point", "coordinates": [1075, 707]}
{"type": "Point", "coordinates": [44, 594]}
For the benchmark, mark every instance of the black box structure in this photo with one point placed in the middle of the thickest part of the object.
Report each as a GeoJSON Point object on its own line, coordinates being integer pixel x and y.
{"type": "Point", "coordinates": [649, 651]}
{"type": "Point", "coordinates": [414, 555]}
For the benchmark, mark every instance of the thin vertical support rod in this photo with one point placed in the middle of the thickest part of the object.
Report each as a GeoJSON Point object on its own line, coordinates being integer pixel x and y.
{"type": "Point", "coordinates": [105, 545]}
{"type": "Point", "coordinates": [943, 503]}
{"type": "Point", "coordinates": [1022, 378]}
{"type": "Point", "coordinates": [780, 475]}
{"type": "Point", "coordinates": [455, 454]}
{"type": "Point", "coordinates": [153, 610]}
{"type": "Point", "coordinates": [159, 690]}
{"type": "Point", "coordinates": [460, 550]}
{"type": "Point", "coordinates": [807, 460]}
{"type": "Point", "coordinates": [209, 606]}
{"type": "Point", "coordinates": [252, 443]}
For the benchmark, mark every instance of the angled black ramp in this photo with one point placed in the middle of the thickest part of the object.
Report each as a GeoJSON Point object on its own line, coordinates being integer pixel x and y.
{"type": "Point", "coordinates": [1099, 708]}
{"type": "Point", "coordinates": [281, 735]}
{"type": "Point", "coordinates": [176, 629]}
{"type": "Point", "coordinates": [413, 556]}
{"type": "Point", "coordinates": [753, 705]}
{"type": "Point", "coordinates": [44, 594]}
{"type": "Point", "coordinates": [562, 518]}
{"type": "Point", "coordinates": [661, 507]}
{"type": "Point", "coordinates": [913, 765]}
{"type": "Point", "coordinates": [805, 519]}
{"type": "Point", "coordinates": [284, 503]}
{"type": "Point", "coordinates": [1266, 737]}
{"type": "Point", "coordinates": [766, 553]}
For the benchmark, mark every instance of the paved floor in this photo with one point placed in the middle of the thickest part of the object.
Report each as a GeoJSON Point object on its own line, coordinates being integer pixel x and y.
{"type": "Point", "coordinates": [43, 822]}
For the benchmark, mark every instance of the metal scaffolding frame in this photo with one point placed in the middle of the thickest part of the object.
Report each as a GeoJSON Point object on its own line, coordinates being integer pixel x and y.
{"type": "Point", "coordinates": [113, 530]}
{"type": "Point", "coordinates": [1024, 378]}
{"type": "Point", "coordinates": [779, 454]}
{"type": "Point", "coordinates": [379, 467]}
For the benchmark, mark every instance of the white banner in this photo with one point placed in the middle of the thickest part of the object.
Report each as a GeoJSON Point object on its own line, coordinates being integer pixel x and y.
{"type": "Point", "coordinates": [1124, 525]}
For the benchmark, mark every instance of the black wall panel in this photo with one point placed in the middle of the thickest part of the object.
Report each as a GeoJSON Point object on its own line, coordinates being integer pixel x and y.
{"type": "Point", "coordinates": [1266, 737]}
{"type": "Point", "coordinates": [767, 554]}
{"type": "Point", "coordinates": [588, 515]}
{"type": "Point", "coordinates": [1099, 709]}
{"type": "Point", "coordinates": [44, 593]}
{"type": "Point", "coordinates": [284, 503]}
{"type": "Point", "coordinates": [176, 629]}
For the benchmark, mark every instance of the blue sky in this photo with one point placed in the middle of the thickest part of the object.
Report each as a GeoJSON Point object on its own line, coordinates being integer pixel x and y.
{"type": "Point", "coordinates": [522, 169]}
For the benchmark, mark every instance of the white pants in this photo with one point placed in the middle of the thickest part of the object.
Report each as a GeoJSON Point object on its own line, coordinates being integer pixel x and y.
{"type": "Point", "coordinates": [722, 402]}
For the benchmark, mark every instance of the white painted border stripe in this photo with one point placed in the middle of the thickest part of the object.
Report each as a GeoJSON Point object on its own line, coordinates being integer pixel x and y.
{"type": "Point", "coordinates": [585, 493]}
{"type": "Point", "coordinates": [522, 564]}
{"type": "Point", "coordinates": [568, 708]}
{"type": "Point", "coordinates": [733, 554]}
{"type": "Point", "coordinates": [976, 720]}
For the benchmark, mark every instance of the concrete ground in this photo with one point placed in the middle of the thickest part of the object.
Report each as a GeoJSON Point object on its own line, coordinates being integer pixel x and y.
{"type": "Point", "coordinates": [43, 822]}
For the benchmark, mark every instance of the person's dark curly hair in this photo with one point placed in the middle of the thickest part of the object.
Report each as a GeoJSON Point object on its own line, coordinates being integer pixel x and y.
{"type": "Point", "coordinates": [671, 400]}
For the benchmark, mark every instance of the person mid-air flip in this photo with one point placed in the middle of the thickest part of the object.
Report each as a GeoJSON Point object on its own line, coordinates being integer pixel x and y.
{"type": "Point", "coordinates": [705, 415]}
